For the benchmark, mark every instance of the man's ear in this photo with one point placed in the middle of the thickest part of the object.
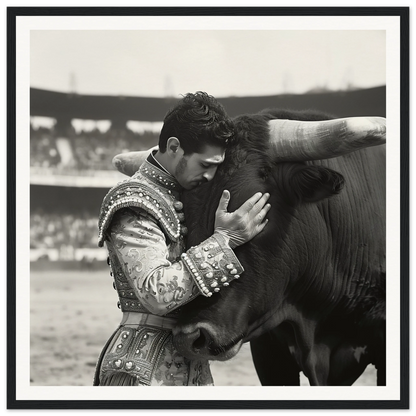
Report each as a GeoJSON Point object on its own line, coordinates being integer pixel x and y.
{"type": "Point", "coordinates": [173, 145]}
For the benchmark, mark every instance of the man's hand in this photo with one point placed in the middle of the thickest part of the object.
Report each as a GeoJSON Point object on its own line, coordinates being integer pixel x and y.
{"type": "Point", "coordinates": [243, 224]}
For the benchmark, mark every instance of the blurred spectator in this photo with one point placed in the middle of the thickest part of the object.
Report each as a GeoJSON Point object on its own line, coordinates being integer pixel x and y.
{"type": "Point", "coordinates": [43, 151]}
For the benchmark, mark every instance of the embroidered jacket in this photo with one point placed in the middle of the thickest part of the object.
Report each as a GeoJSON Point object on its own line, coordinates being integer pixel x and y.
{"type": "Point", "coordinates": [142, 224]}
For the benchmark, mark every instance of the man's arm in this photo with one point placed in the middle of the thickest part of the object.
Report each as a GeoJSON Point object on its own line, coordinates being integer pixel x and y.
{"type": "Point", "coordinates": [162, 286]}
{"type": "Point", "coordinates": [139, 244]}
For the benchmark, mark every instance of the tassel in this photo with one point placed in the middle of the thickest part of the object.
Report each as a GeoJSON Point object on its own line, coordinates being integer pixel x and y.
{"type": "Point", "coordinates": [118, 378]}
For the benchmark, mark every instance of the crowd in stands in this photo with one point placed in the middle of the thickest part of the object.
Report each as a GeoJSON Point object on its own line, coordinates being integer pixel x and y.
{"type": "Point", "coordinates": [43, 150]}
{"type": "Point", "coordinates": [84, 150]}
{"type": "Point", "coordinates": [63, 229]}
{"type": "Point", "coordinates": [69, 151]}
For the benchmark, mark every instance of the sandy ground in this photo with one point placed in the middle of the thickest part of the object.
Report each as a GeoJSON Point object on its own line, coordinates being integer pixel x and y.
{"type": "Point", "coordinates": [73, 314]}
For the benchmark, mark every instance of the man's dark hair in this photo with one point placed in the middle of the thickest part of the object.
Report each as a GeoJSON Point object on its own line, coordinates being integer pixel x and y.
{"type": "Point", "coordinates": [197, 120]}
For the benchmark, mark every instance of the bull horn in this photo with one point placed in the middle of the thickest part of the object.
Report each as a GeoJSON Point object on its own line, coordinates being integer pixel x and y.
{"type": "Point", "coordinates": [129, 162]}
{"type": "Point", "coordinates": [292, 140]}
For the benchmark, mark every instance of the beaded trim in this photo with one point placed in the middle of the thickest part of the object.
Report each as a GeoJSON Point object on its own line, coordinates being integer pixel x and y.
{"type": "Point", "coordinates": [212, 265]}
{"type": "Point", "coordinates": [161, 177]}
{"type": "Point", "coordinates": [134, 193]}
{"type": "Point", "coordinates": [135, 352]}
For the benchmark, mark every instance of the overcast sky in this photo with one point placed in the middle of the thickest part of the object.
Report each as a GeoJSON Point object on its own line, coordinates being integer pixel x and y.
{"type": "Point", "coordinates": [223, 63]}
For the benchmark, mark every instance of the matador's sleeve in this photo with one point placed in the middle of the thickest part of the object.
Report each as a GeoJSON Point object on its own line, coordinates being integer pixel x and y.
{"type": "Point", "coordinates": [162, 285]}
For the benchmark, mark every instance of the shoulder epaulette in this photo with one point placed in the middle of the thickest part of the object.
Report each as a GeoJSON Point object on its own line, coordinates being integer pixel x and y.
{"type": "Point", "coordinates": [133, 193]}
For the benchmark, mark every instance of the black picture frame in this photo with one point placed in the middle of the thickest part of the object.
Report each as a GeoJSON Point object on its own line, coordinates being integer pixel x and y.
{"type": "Point", "coordinates": [13, 13]}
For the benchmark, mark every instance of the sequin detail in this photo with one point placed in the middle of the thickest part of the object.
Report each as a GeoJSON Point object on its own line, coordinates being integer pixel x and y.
{"type": "Point", "coordinates": [212, 264]}
{"type": "Point", "coordinates": [146, 357]}
{"type": "Point", "coordinates": [140, 191]}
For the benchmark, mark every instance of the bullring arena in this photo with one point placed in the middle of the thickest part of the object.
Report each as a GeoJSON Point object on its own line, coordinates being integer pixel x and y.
{"type": "Point", "coordinates": [73, 307]}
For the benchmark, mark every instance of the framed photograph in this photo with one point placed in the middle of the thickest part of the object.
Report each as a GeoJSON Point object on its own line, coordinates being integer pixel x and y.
{"type": "Point", "coordinates": [318, 324]}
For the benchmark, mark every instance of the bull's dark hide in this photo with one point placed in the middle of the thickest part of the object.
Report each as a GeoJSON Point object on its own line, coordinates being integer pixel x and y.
{"type": "Point", "coordinates": [312, 297]}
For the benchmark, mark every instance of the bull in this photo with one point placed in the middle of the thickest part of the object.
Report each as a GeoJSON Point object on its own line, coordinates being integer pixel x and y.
{"type": "Point", "coordinates": [312, 297]}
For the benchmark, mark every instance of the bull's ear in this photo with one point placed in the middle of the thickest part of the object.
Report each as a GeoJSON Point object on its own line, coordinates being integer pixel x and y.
{"type": "Point", "coordinates": [313, 183]}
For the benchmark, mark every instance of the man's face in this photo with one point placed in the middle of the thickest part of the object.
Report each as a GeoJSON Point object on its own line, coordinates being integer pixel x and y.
{"type": "Point", "coordinates": [197, 168]}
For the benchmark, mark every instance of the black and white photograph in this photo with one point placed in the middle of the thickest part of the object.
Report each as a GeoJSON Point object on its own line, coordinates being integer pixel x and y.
{"type": "Point", "coordinates": [208, 200]}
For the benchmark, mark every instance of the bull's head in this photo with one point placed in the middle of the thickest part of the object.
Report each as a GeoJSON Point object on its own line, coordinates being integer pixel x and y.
{"type": "Point", "coordinates": [214, 328]}
{"type": "Point", "coordinates": [271, 155]}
